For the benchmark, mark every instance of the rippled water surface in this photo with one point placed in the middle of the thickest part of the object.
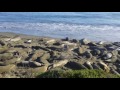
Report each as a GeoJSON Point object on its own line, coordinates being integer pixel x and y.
{"type": "Point", "coordinates": [93, 25]}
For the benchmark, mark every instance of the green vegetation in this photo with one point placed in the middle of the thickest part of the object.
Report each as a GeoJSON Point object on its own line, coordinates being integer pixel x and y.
{"type": "Point", "coordinates": [85, 73]}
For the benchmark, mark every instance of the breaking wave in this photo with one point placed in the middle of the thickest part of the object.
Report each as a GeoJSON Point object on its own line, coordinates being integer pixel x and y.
{"type": "Point", "coordinates": [55, 26]}
{"type": "Point", "coordinates": [61, 30]}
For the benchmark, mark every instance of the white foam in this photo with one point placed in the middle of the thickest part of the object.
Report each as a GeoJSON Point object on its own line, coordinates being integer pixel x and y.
{"type": "Point", "coordinates": [61, 30]}
{"type": "Point", "coordinates": [55, 26]}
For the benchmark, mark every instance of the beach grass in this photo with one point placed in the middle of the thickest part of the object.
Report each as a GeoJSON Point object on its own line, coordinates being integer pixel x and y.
{"type": "Point", "coordinates": [85, 73]}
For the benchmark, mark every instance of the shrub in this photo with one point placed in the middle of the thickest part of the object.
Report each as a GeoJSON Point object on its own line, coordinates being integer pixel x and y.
{"type": "Point", "coordinates": [85, 73]}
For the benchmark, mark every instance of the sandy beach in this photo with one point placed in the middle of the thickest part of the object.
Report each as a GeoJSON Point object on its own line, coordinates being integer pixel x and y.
{"type": "Point", "coordinates": [24, 55]}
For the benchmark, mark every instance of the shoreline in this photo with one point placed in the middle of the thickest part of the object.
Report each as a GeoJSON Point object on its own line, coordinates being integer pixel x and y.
{"type": "Point", "coordinates": [11, 34]}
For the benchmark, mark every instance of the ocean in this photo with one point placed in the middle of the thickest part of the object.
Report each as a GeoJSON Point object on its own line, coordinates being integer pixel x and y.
{"type": "Point", "coordinates": [96, 26]}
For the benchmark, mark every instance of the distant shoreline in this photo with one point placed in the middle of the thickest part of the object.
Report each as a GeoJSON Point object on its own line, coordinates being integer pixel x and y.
{"type": "Point", "coordinates": [11, 34]}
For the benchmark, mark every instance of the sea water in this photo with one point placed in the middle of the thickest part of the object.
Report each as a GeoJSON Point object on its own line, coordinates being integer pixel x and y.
{"type": "Point", "coordinates": [96, 26]}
